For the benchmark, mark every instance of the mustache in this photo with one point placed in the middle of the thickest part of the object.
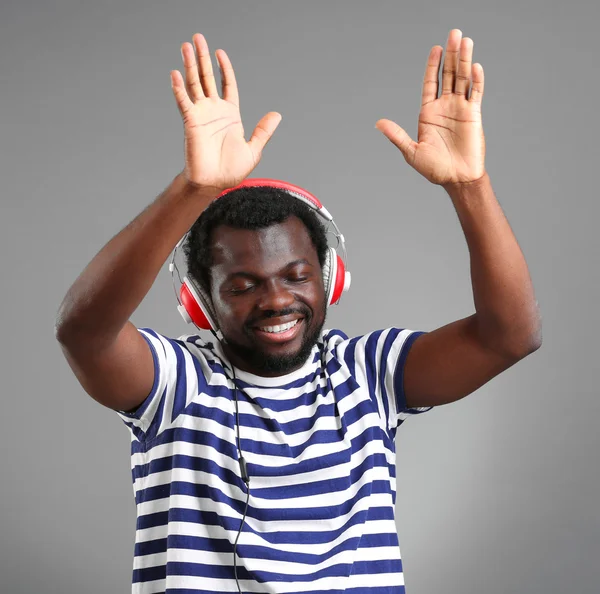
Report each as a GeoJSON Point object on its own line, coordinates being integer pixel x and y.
{"type": "Point", "coordinates": [276, 314]}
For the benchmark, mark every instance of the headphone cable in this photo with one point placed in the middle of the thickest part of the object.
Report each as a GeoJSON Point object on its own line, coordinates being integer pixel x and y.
{"type": "Point", "coordinates": [243, 469]}
{"type": "Point", "coordinates": [242, 461]}
{"type": "Point", "coordinates": [245, 478]}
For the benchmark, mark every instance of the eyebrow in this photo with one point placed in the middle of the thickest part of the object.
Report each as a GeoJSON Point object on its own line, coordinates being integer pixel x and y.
{"type": "Point", "coordinates": [249, 275]}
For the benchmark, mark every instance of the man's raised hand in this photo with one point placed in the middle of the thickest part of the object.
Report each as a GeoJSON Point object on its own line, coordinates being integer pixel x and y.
{"type": "Point", "coordinates": [451, 144]}
{"type": "Point", "coordinates": [216, 152]}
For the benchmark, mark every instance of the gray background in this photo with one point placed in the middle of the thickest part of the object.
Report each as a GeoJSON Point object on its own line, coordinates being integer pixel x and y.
{"type": "Point", "coordinates": [497, 493]}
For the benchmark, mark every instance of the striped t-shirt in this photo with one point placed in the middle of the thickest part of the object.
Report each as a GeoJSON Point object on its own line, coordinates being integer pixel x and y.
{"type": "Point", "coordinates": [320, 453]}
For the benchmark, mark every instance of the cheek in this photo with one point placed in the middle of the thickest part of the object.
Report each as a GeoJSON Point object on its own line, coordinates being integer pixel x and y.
{"type": "Point", "coordinates": [229, 315]}
{"type": "Point", "coordinates": [318, 304]}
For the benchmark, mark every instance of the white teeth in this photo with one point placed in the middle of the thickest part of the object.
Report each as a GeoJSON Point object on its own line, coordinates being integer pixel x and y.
{"type": "Point", "coordinates": [282, 328]}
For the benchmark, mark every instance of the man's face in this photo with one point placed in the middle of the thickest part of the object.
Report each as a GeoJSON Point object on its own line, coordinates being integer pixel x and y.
{"type": "Point", "coordinates": [262, 279]}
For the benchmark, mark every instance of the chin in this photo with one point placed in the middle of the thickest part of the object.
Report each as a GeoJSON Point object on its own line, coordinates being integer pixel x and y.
{"type": "Point", "coordinates": [276, 359]}
{"type": "Point", "coordinates": [282, 364]}
{"type": "Point", "coordinates": [279, 360]}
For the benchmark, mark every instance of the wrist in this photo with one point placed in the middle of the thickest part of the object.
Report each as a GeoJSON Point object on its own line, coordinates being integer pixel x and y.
{"type": "Point", "coordinates": [470, 188]}
{"type": "Point", "coordinates": [195, 190]}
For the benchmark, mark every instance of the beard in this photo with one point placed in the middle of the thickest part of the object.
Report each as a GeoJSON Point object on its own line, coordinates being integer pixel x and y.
{"type": "Point", "coordinates": [262, 362]}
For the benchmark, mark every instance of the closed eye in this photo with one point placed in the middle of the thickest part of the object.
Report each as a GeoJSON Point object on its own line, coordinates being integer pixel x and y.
{"type": "Point", "coordinates": [240, 291]}
{"type": "Point", "coordinates": [298, 279]}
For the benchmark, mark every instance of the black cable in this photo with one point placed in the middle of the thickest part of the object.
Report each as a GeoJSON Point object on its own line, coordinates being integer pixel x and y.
{"type": "Point", "coordinates": [245, 478]}
{"type": "Point", "coordinates": [243, 468]}
{"type": "Point", "coordinates": [242, 461]}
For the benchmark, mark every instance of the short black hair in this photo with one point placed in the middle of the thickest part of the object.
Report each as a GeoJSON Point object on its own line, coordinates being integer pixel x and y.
{"type": "Point", "coordinates": [247, 208]}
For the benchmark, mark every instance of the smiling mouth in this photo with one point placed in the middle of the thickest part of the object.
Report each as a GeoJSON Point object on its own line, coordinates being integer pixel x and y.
{"type": "Point", "coordinates": [279, 333]}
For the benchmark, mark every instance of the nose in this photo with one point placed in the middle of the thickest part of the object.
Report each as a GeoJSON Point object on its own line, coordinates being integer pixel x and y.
{"type": "Point", "coordinates": [275, 296]}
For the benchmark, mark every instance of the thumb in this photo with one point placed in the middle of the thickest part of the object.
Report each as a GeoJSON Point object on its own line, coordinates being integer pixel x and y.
{"type": "Point", "coordinates": [398, 136]}
{"type": "Point", "coordinates": [263, 132]}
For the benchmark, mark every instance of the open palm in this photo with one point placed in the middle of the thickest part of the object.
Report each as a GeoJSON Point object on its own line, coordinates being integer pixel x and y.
{"type": "Point", "coordinates": [451, 144]}
{"type": "Point", "coordinates": [216, 152]}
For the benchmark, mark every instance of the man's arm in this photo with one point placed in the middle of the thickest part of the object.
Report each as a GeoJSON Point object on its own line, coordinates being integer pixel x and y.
{"type": "Point", "coordinates": [454, 360]}
{"type": "Point", "coordinates": [107, 354]}
{"type": "Point", "coordinates": [110, 358]}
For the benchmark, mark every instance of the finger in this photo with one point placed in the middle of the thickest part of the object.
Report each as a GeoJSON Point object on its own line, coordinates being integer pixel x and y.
{"type": "Point", "coordinates": [181, 97]}
{"type": "Point", "coordinates": [463, 76]}
{"type": "Point", "coordinates": [192, 81]}
{"type": "Point", "coordinates": [207, 78]}
{"type": "Point", "coordinates": [432, 71]}
{"type": "Point", "coordinates": [228, 82]}
{"type": "Point", "coordinates": [478, 80]}
{"type": "Point", "coordinates": [398, 136]}
{"type": "Point", "coordinates": [262, 133]}
{"type": "Point", "coordinates": [450, 61]}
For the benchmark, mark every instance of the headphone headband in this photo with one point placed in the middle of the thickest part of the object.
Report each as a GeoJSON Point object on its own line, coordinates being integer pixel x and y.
{"type": "Point", "coordinates": [197, 306]}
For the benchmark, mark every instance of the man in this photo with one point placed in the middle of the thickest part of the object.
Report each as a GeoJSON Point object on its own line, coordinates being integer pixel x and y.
{"type": "Point", "coordinates": [313, 413]}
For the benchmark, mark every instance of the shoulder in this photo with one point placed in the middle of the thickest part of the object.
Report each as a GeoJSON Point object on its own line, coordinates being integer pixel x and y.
{"type": "Point", "coordinates": [185, 341]}
{"type": "Point", "coordinates": [386, 343]}
{"type": "Point", "coordinates": [333, 338]}
{"type": "Point", "coordinates": [190, 348]}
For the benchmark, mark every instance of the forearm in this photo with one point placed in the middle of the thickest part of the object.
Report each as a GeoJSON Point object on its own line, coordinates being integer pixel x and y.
{"type": "Point", "coordinates": [114, 283]}
{"type": "Point", "coordinates": [506, 310]}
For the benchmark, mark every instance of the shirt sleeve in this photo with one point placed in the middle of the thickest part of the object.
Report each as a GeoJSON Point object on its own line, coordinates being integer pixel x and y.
{"type": "Point", "coordinates": [179, 376]}
{"type": "Point", "coordinates": [377, 361]}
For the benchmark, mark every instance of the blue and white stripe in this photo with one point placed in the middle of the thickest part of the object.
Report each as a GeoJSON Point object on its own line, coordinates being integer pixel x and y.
{"type": "Point", "coordinates": [321, 458]}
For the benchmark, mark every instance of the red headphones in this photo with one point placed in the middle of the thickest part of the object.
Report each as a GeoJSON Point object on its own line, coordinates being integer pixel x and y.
{"type": "Point", "coordinates": [195, 305]}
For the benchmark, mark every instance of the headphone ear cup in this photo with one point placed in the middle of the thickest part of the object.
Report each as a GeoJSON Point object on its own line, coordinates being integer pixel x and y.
{"type": "Point", "coordinates": [329, 270]}
{"type": "Point", "coordinates": [335, 278]}
{"type": "Point", "coordinates": [341, 281]}
{"type": "Point", "coordinates": [196, 306]}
